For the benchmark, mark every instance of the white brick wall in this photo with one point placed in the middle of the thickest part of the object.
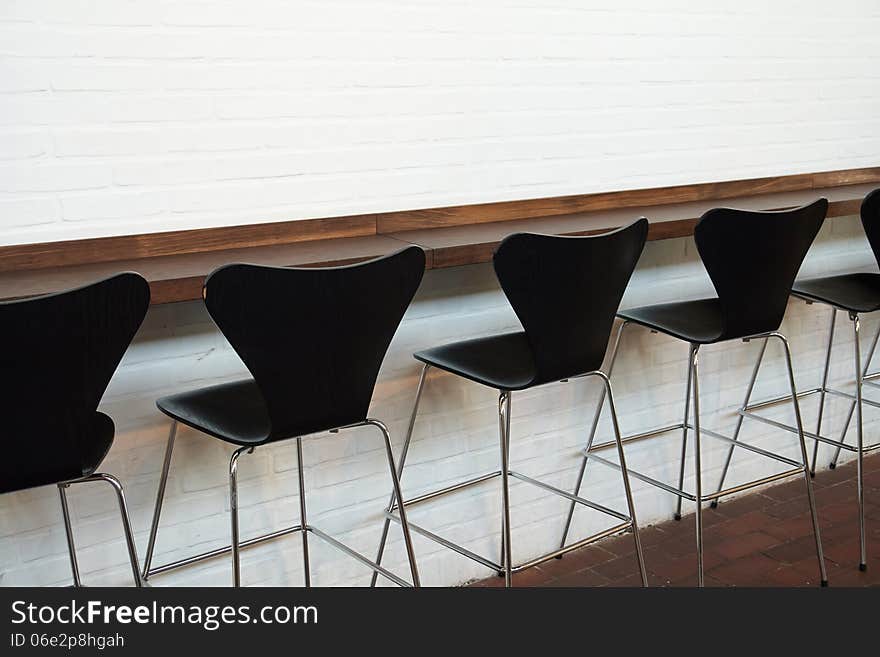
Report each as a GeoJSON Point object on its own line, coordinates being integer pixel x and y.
{"type": "Point", "coordinates": [124, 117]}
{"type": "Point", "coordinates": [455, 437]}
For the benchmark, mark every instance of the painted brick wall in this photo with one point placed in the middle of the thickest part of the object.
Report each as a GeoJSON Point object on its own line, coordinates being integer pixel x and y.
{"type": "Point", "coordinates": [455, 437]}
{"type": "Point", "coordinates": [119, 116]}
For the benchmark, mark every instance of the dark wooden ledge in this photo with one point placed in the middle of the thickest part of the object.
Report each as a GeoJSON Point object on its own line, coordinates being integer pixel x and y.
{"type": "Point", "coordinates": [180, 277]}
{"type": "Point", "coordinates": [176, 262]}
{"type": "Point", "coordinates": [471, 244]}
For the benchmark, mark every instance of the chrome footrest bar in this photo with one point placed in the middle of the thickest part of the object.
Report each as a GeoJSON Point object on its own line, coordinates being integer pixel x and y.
{"type": "Point", "coordinates": [633, 438]}
{"type": "Point", "coordinates": [372, 565]}
{"type": "Point", "coordinates": [611, 531]}
{"type": "Point", "coordinates": [212, 554]}
{"type": "Point", "coordinates": [781, 398]}
{"type": "Point", "coordinates": [799, 470]}
{"type": "Point", "coordinates": [757, 482]}
{"type": "Point", "coordinates": [455, 547]}
{"type": "Point", "coordinates": [831, 391]}
{"type": "Point", "coordinates": [807, 434]}
{"type": "Point", "coordinates": [463, 551]}
{"type": "Point", "coordinates": [748, 447]}
{"type": "Point", "coordinates": [851, 397]}
{"type": "Point", "coordinates": [712, 434]}
{"type": "Point", "coordinates": [569, 496]}
{"type": "Point", "coordinates": [517, 475]}
{"type": "Point", "coordinates": [642, 477]}
{"type": "Point", "coordinates": [449, 489]}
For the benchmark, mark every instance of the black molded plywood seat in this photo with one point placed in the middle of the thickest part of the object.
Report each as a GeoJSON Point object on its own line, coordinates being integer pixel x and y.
{"type": "Point", "coordinates": [700, 320]}
{"type": "Point", "coordinates": [565, 291]}
{"type": "Point", "coordinates": [313, 340]}
{"type": "Point", "coordinates": [858, 292]}
{"type": "Point", "coordinates": [499, 361]}
{"type": "Point", "coordinates": [854, 292]}
{"type": "Point", "coordinates": [752, 258]}
{"type": "Point", "coordinates": [59, 353]}
{"type": "Point", "coordinates": [234, 412]}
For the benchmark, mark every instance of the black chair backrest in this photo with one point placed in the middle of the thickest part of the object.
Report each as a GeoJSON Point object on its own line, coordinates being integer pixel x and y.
{"type": "Point", "coordinates": [566, 291]}
{"type": "Point", "coordinates": [871, 221]}
{"type": "Point", "coordinates": [58, 354]}
{"type": "Point", "coordinates": [752, 258]}
{"type": "Point", "coordinates": [314, 338]}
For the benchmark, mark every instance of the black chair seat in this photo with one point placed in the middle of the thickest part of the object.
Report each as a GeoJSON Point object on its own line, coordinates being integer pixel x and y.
{"type": "Point", "coordinates": [501, 361]}
{"type": "Point", "coordinates": [234, 412]}
{"type": "Point", "coordinates": [700, 321]}
{"type": "Point", "coordinates": [858, 292]}
{"type": "Point", "coordinates": [100, 439]}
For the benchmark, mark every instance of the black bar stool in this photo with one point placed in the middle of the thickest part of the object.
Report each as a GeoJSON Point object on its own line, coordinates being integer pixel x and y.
{"type": "Point", "coordinates": [59, 353]}
{"type": "Point", "coordinates": [565, 291]}
{"type": "Point", "coordinates": [855, 294]}
{"type": "Point", "coordinates": [313, 340]}
{"type": "Point", "coordinates": [752, 259]}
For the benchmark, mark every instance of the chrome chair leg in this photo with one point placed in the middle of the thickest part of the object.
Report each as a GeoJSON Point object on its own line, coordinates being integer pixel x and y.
{"type": "Point", "coordinates": [123, 512]}
{"type": "Point", "coordinates": [640, 557]}
{"type": "Point", "coordinates": [739, 422]}
{"type": "Point", "coordinates": [852, 406]}
{"type": "Point", "coordinates": [863, 556]}
{"type": "Point", "coordinates": [822, 390]}
{"type": "Point", "coordinates": [160, 496]}
{"type": "Point", "coordinates": [592, 436]}
{"type": "Point", "coordinates": [502, 559]}
{"type": "Point", "coordinates": [412, 423]}
{"type": "Point", "coordinates": [806, 463]}
{"type": "Point", "coordinates": [68, 529]}
{"type": "Point", "coordinates": [302, 512]}
{"type": "Point", "coordinates": [693, 362]}
{"type": "Point", "coordinates": [233, 513]}
{"type": "Point", "coordinates": [395, 480]}
{"type": "Point", "coordinates": [684, 439]}
{"type": "Point", "coordinates": [504, 413]}
{"type": "Point", "coordinates": [126, 525]}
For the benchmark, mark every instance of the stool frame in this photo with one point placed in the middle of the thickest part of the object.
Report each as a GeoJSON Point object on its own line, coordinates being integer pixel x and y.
{"type": "Point", "coordinates": [862, 376]}
{"type": "Point", "coordinates": [698, 496]}
{"type": "Point", "coordinates": [505, 566]}
{"type": "Point", "coordinates": [303, 528]}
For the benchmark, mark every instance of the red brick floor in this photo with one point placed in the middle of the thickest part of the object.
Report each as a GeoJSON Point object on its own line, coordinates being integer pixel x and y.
{"type": "Point", "coordinates": [761, 539]}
